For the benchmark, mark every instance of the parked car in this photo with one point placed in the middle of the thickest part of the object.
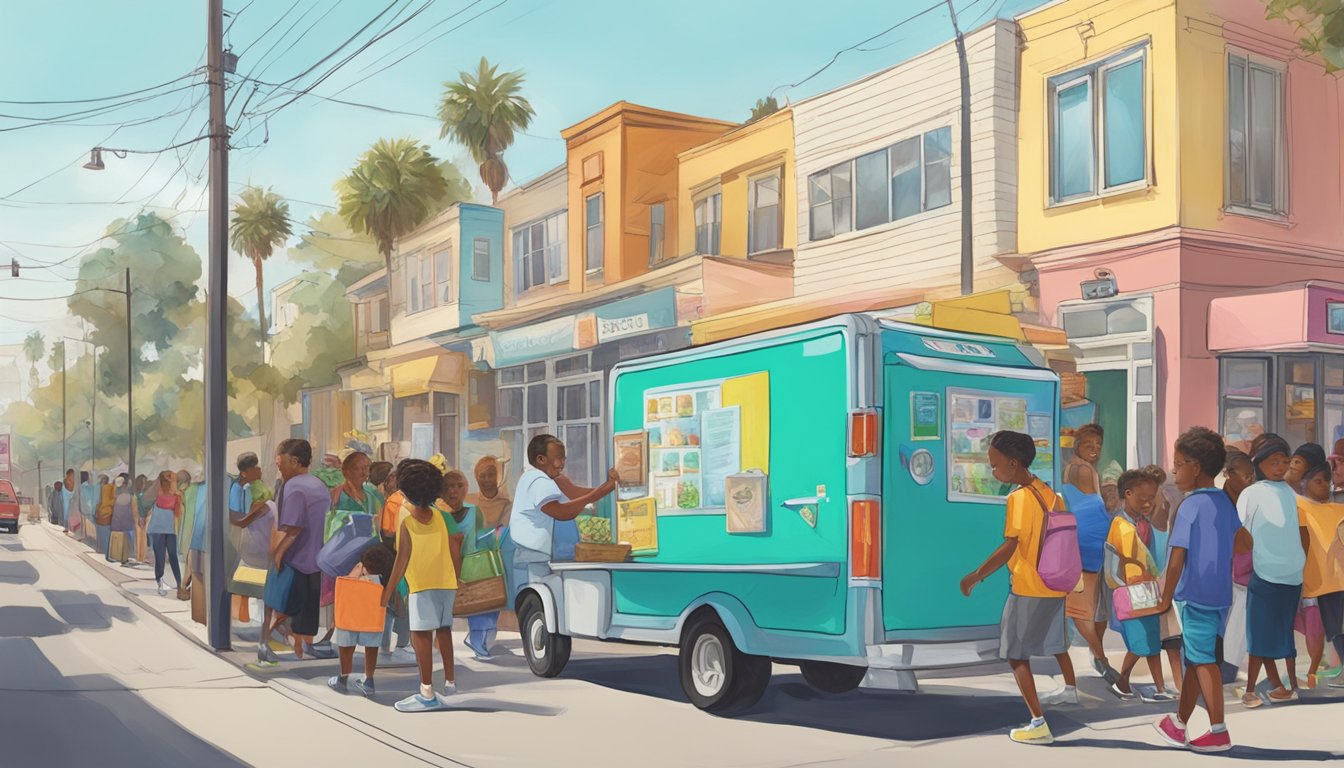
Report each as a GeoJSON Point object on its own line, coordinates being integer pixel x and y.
{"type": "Point", "coordinates": [9, 507]}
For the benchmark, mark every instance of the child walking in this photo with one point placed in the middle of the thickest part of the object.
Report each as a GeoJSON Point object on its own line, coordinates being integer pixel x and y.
{"type": "Point", "coordinates": [1199, 574]}
{"type": "Point", "coordinates": [1033, 616]}
{"type": "Point", "coordinates": [424, 559]}
{"type": "Point", "coordinates": [1323, 578]}
{"type": "Point", "coordinates": [1268, 510]}
{"type": "Point", "coordinates": [1128, 547]}
{"type": "Point", "coordinates": [374, 566]}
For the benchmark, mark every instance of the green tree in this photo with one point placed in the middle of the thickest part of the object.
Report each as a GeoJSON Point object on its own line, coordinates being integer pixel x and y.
{"type": "Point", "coordinates": [394, 188]}
{"type": "Point", "coordinates": [763, 108]}
{"type": "Point", "coordinates": [34, 347]}
{"type": "Point", "coordinates": [1321, 24]}
{"type": "Point", "coordinates": [260, 225]}
{"type": "Point", "coordinates": [482, 111]}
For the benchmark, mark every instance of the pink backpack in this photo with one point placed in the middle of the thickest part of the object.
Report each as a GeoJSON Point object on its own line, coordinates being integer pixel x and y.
{"type": "Point", "coordinates": [1059, 563]}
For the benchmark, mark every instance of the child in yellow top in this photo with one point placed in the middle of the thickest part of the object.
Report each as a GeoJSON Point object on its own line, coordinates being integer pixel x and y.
{"type": "Point", "coordinates": [424, 559]}
{"type": "Point", "coordinates": [1323, 578]}
{"type": "Point", "coordinates": [1128, 560]}
{"type": "Point", "coordinates": [1033, 617]}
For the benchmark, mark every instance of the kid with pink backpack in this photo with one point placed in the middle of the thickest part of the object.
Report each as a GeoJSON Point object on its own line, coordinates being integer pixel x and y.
{"type": "Point", "coordinates": [1040, 548]}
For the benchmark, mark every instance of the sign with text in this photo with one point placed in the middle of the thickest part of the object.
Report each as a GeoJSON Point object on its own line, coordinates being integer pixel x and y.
{"type": "Point", "coordinates": [519, 345]}
{"type": "Point", "coordinates": [620, 327]}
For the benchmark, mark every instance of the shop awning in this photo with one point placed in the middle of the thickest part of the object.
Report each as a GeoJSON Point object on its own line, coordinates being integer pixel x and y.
{"type": "Point", "coordinates": [410, 379]}
{"type": "Point", "coordinates": [1289, 318]}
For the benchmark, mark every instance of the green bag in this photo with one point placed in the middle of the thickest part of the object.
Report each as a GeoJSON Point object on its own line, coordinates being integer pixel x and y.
{"type": "Point", "coordinates": [482, 565]}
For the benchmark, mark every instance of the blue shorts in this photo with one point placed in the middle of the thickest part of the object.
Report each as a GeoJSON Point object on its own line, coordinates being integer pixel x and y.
{"type": "Point", "coordinates": [1200, 628]}
{"type": "Point", "coordinates": [432, 609]}
{"type": "Point", "coordinates": [344, 638]}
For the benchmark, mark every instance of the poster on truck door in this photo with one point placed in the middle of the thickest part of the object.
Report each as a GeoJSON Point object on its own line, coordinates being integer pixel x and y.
{"type": "Point", "coordinates": [973, 417]}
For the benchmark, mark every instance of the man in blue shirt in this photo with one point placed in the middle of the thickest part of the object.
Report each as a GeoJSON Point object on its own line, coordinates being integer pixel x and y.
{"type": "Point", "coordinates": [1199, 574]}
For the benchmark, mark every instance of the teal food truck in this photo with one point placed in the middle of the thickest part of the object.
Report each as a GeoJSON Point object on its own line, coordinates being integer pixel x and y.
{"type": "Point", "coordinates": [808, 496]}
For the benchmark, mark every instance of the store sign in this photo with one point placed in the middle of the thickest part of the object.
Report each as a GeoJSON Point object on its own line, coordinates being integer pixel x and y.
{"type": "Point", "coordinates": [958, 348]}
{"type": "Point", "coordinates": [519, 345]}
{"type": "Point", "coordinates": [620, 327]}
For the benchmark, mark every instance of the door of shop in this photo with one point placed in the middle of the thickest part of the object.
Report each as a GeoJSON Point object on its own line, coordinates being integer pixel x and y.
{"type": "Point", "coordinates": [1109, 391]}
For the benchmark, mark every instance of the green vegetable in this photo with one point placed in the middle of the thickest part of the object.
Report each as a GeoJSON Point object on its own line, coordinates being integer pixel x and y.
{"type": "Point", "coordinates": [688, 496]}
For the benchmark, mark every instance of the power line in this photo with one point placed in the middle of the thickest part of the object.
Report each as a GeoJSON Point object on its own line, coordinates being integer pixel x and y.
{"type": "Point", "coordinates": [859, 44]}
{"type": "Point", "coordinates": [113, 97]}
{"type": "Point", "coordinates": [429, 29]}
{"type": "Point", "coordinates": [76, 116]}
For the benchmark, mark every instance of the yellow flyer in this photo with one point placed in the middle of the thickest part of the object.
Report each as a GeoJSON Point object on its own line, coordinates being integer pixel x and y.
{"type": "Point", "coordinates": [637, 525]}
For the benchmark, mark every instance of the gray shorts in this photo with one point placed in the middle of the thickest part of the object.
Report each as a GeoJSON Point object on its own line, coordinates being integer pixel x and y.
{"type": "Point", "coordinates": [344, 638]}
{"type": "Point", "coordinates": [1032, 626]}
{"type": "Point", "coordinates": [432, 609]}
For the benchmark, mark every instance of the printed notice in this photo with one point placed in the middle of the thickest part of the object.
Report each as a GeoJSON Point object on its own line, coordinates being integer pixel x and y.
{"type": "Point", "coordinates": [721, 448]}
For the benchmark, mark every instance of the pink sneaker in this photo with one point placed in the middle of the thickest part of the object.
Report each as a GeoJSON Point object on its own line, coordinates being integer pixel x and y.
{"type": "Point", "coordinates": [1172, 733]}
{"type": "Point", "coordinates": [1212, 742]}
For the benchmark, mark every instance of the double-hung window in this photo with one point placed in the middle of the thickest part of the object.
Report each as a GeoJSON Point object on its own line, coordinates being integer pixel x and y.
{"type": "Point", "coordinates": [592, 220]}
{"type": "Point", "coordinates": [708, 223]}
{"type": "Point", "coordinates": [420, 282]}
{"type": "Point", "coordinates": [480, 259]}
{"type": "Point", "coordinates": [1255, 136]}
{"type": "Point", "coordinates": [443, 269]}
{"type": "Point", "coordinates": [832, 201]}
{"type": "Point", "coordinates": [539, 254]}
{"type": "Point", "coordinates": [763, 217]}
{"type": "Point", "coordinates": [1098, 127]}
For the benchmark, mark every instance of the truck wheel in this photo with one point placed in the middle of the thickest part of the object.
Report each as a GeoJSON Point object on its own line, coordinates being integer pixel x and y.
{"type": "Point", "coordinates": [716, 676]}
{"type": "Point", "coordinates": [829, 677]}
{"type": "Point", "coordinates": [547, 652]}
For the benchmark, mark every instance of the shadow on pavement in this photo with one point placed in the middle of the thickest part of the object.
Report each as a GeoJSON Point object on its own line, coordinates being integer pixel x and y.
{"type": "Point", "coordinates": [17, 572]}
{"type": "Point", "coordinates": [106, 726]}
{"type": "Point", "coordinates": [85, 610]}
{"type": "Point", "coordinates": [29, 621]}
{"type": "Point", "coordinates": [1236, 753]}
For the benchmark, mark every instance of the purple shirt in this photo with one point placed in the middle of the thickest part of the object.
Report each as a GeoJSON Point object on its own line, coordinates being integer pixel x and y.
{"type": "Point", "coordinates": [303, 505]}
{"type": "Point", "coordinates": [1206, 526]}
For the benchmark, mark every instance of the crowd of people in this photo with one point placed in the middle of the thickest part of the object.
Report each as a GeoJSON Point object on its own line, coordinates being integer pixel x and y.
{"type": "Point", "coordinates": [1233, 573]}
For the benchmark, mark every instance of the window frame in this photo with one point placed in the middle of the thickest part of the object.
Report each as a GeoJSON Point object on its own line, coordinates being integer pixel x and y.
{"type": "Point", "coordinates": [588, 228]}
{"type": "Point", "coordinates": [709, 203]}
{"type": "Point", "coordinates": [476, 243]}
{"type": "Point", "coordinates": [547, 251]}
{"type": "Point", "coordinates": [1094, 74]}
{"type": "Point", "coordinates": [1252, 61]}
{"type": "Point", "coordinates": [658, 239]}
{"type": "Point", "coordinates": [443, 285]}
{"type": "Point", "coordinates": [776, 173]}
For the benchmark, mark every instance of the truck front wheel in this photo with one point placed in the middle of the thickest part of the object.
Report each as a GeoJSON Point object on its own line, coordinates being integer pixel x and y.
{"type": "Point", "coordinates": [716, 676]}
{"type": "Point", "coordinates": [829, 677]}
{"type": "Point", "coordinates": [547, 652]}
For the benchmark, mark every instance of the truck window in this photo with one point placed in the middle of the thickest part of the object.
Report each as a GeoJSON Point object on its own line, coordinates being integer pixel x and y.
{"type": "Point", "coordinates": [973, 416]}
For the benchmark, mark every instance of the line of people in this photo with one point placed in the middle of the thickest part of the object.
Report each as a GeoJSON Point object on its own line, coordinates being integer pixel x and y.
{"type": "Point", "coordinates": [1242, 567]}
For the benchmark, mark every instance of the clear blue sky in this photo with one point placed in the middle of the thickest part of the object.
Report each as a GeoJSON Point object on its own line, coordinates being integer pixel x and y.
{"type": "Point", "coordinates": [706, 57]}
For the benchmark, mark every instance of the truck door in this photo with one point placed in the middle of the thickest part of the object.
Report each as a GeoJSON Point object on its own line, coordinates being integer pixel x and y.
{"type": "Point", "coordinates": [943, 512]}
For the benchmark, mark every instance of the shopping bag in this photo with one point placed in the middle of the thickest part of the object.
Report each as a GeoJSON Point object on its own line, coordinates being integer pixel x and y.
{"type": "Point", "coordinates": [278, 584]}
{"type": "Point", "coordinates": [198, 601]}
{"type": "Point", "coordinates": [1136, 600]}
{"type": "Point", "coordinates": [347, 545]}
{"type": "Point", "coordinates": [118, 547]}
{"type": "Point", "coordinates": [484, 596]}
{"type": "Point", "coordinates": [359, 605]}
{"type": "Point", "coordinates": [481, 565]}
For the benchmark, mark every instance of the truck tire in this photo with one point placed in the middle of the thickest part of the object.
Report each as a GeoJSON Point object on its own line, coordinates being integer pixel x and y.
{"type": "Point", "coordinates": [547, 652]}
{"type": "Point", "coordinates": [716, 676]}
{"type": "Point", "coordinates": [829, 677]}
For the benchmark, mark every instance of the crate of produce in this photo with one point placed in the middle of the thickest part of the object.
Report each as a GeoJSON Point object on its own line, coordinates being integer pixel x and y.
{"type": "Point", "coordinates": [587, 552]}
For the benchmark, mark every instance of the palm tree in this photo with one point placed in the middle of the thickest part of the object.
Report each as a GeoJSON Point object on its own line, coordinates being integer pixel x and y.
{"type": "Point", "coordinates": [260, 225]}
{"type": "Point", "coordinates": [34, 346]}
{"type": "Point", "coordinates": [393, 189]}
{"type": "Point", "coordinates": [481, 112]}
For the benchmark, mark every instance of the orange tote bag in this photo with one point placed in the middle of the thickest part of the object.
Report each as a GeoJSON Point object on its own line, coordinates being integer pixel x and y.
{"type": "Point", "coordinates": [358, 606]}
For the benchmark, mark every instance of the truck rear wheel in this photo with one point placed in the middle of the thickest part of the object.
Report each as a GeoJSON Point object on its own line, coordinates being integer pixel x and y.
{"type": "Point", "coordinates": [547, 652]}
{"type": "Point", "coordinates": [829, 677]}
{"type": "Point", "coordinates": [716, 676]}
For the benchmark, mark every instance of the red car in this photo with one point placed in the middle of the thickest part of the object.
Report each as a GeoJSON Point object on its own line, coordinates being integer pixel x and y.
{"type": "Point", "coordinates": [9, 506]}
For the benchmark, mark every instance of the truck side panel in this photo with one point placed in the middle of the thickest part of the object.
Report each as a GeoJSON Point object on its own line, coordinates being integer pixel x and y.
{"type": "Point", "coordinates": [810, 381]}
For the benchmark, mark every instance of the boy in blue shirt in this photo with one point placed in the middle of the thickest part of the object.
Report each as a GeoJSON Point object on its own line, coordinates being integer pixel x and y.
{"type": "Point", "coordinates": [1199, 574]}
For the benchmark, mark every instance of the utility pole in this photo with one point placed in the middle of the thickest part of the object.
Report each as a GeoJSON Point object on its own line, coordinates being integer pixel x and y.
{"type": "Point", "coordinates": [130, 381]}
{"type": "Point", "coordinates": [93, 421]}
{"type": "Point", "coordinates": [216, 324]}
{"type": "Point", "coordinates": [967, 237]}
{"type": "Point", "coordinates": [65, 433]}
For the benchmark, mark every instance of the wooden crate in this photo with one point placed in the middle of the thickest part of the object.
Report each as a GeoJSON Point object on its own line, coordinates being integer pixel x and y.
{"type": "Point", "coordinates": [585, 552]}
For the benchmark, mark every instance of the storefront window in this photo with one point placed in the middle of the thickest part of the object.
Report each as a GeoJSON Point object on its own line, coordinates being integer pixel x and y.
{"type": "Point", "coordinates": [1244, 384]}
{"type": "Point", "coordinates": [525, 410]}
{"type": "Point", "coordinates": [1299, 400]}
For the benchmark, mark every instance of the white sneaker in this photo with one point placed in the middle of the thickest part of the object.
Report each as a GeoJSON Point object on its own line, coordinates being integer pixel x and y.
{"type": "Point", "coordinates": [449, 691]}
{"type": "Point", "coordinates": [1060, 697]}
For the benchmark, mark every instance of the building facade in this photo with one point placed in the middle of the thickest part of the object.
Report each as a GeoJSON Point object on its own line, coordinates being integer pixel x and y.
{"type": "Point", "coordinates": [1178, 157]}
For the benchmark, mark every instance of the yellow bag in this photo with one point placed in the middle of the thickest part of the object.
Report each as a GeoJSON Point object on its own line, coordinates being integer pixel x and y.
{"type": "Point", "coordinates": [119, 546]}
{"type": "Point", "coordinates": [249, 575]}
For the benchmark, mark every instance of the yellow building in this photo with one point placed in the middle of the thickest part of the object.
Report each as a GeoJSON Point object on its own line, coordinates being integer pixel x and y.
{"type": "Point", "coordinates": [736, 206]}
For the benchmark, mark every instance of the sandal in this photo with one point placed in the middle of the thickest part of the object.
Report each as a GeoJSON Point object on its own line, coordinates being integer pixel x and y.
{"type": "Point", "coordinates": [1274, 698]}
{"type": "Point", "coordinates": [1251, 700]}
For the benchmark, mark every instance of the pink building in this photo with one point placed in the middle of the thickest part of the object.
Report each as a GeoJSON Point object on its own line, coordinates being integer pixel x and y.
{"type": "Point", "coordinates": [1185, 217]}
